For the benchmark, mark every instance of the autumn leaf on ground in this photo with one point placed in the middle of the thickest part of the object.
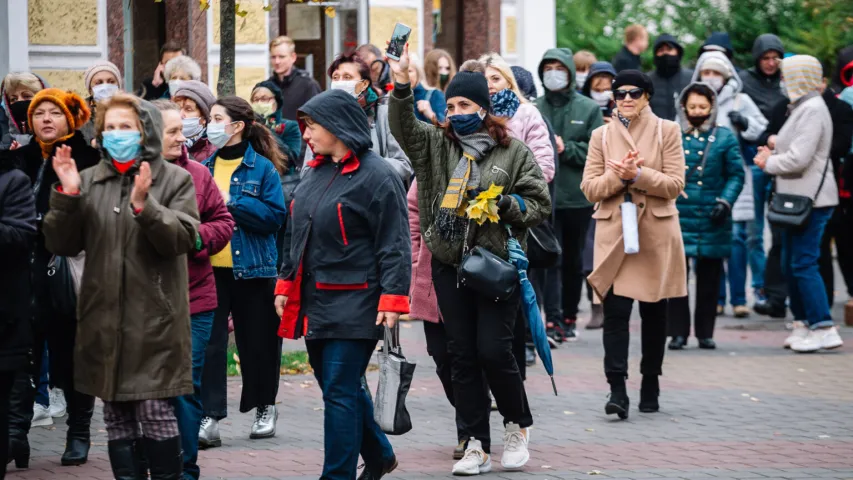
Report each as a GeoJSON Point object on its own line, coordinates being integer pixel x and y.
{"type": "Point", "coordinates": [267, 8]}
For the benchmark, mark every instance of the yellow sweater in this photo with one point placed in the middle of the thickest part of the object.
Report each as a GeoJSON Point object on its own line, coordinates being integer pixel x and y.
{"type": "Point", "coordinates": [223, 170]}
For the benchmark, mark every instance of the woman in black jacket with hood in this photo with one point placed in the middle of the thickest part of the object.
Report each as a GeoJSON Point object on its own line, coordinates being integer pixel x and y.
{"type": "Point", "coordinates": [17, 230]}
{"type": "Point", "coordinates": [55, 118]}
{"type": "Point", "coordinates": [347, 249]}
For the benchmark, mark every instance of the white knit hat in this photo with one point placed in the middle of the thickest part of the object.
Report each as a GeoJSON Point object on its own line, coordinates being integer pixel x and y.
{"type": "Point", "coordinates": [717, 65]}
{"type": "Point", "coordinates": [102, 66]}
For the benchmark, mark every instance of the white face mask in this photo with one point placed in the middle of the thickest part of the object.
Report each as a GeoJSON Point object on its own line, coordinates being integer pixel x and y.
{"type": "Point", "coordinates": [581, 79]}
{"type": "Point", "coordinates": [174, 85]}
{"type": "Point", "coordinates": [555, 80]}
{"type": "Point", "coordinates": [602, 98]}
{"type": "Point", "coordinates": [192, 128]}
{"type": "Point", "coordinates": [715, 82]}
{"type": "Point", "coordinates": [345, 85]}
{"type": "Point", "coordinates": [104, 91]}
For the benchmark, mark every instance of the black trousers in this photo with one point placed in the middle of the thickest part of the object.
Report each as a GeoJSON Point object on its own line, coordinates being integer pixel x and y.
{"type": "Point", "coordinates": [840, 229]}
{"type": "Point", "coordinates": [519, 344]}
{"type": "Point", "coordinates": [7, 379]}
{"type": "Point", "coordinates": [436, 344]}
{"type": "Point", "coordinates": [250, 303]}
{"type": "Point", "coordinates": [617, 338]}
{"type": "Point", "coordinates": [708, 273]}
{"type": "Point", "coordinates": [571, 225]}
{"type": "Point", "coordinates": [546, 284]}
{"type": "Point", "coordinates": [775, 284]}
{"type": "Point", "coordinates": [480, 335]}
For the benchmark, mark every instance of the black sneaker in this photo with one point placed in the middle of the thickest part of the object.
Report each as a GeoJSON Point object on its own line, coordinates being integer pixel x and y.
{"type": "Point", "coordinates": [618, 404]}
{"type": "Point", "coordinates": [570, 333]}
{"type": "Point", "coordinates": [554, 333]}
{"type": "Point", "coordinates": [769, 309]}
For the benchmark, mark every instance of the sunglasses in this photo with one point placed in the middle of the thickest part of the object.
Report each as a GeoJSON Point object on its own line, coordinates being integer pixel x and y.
{"type": "Point", "coordinates": [634, 93]}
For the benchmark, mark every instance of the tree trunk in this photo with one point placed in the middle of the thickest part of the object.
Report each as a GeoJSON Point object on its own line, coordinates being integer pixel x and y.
{"type": "Point", "coordinates": [227, 28]}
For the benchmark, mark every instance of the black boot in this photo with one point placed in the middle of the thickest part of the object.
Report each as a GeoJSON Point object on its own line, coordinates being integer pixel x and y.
{"type": "Point", "coordinates": [677, 343]}
{"type": "Point", "coordinates": [165, 459]}
{"type": "Point", "coordinates": [19, 449]}
{"type": "Point", "coordinates": [389, 466]}
{"type": "Point", "coordinates": [124, 459]}
{"type": "Point", "coordinates": [20, 416]}
{"type": "Point", "coordinates": [619, 402]}
{"type": "Point", "coordinates": [707, 343]}
{"type": "Point", "coordinates": [80, 409]}
{"type": "Point", "coordinates": [649, 392]}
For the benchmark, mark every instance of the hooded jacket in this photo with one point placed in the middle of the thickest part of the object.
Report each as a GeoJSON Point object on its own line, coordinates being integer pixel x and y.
{"type": "Point", "coordinates": [296, 89]}
{"type": "Point", "coordinates": [764, 90]}
{"type": "Point", "coordinates": [600, 68]}
{"type": "Point", "coordinates": [286, 131]}
{"type": "Point", "coordinates": [347, 247]}
{"type": "Point", "coordinates": [8, 127]}
{"type": "Point", "coordinates": [717, 41]}
{"type": "Point", "coordinates": [668, 88]}
{"type": "Point", "coordinates": [573, 117]}
{"type": "Point", "coordinates": [133, 330]}
{"type": "Point", "coordinates": [714, 172]}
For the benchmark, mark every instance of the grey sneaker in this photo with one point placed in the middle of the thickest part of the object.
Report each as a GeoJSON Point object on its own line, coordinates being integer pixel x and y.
{"type": "Point", "coordinates": [208, 433]}
{"type": "Point", "coordinates": [264, 426]}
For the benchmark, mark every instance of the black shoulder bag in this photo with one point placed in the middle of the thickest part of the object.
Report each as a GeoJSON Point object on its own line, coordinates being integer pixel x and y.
{"type": "Point", "coordinates": [792, 212]}
{"type": "Point", "coordinates": [485, 272]}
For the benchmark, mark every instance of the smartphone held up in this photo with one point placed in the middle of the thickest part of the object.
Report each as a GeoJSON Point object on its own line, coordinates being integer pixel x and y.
{"type": "Point", "coordinates": [398, 41]}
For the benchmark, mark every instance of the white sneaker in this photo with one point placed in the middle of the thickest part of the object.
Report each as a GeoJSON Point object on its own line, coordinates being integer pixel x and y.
{"type": "Point", "coordinates": [41, 416]}
{"type": "Point", "coordinates": [799, 332]}
{"type": "Point", "coordinates": [58, 406]}
{"type": "Point", "coordinates": [818, 339]}
{"type": "Point", "coordinates": [475, 461]}
{"type": "Point", "coordinates": [515, 447]}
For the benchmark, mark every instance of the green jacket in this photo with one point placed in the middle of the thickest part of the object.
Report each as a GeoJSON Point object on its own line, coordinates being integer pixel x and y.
{"type": "Point", "coordinates": [573, 117]}
{"type": "Point", "coordinates": [434, 156]}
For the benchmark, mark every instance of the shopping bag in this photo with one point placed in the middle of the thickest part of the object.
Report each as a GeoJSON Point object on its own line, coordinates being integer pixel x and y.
{"type": "Point", "coordinates": [395, 379]}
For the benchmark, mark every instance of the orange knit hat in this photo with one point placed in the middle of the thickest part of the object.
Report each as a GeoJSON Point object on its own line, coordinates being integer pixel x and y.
{"type": "Point", "coordinates": [72, 105]}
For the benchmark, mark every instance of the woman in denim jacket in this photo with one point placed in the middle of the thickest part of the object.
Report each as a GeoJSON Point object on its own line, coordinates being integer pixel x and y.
{"type": "Point", "coordinates": [246, 169]}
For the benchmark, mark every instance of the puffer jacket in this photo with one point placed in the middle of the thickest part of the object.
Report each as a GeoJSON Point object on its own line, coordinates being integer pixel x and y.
{"type": "Point", "coordinates": [133, 330]}
{"type": "Point", "coordinates": [347, 251]}
{"type": "Point", "coordinates": [528, 126]}
{"type": "Point", "coordinates": [720, 178]}
{"type": "Point", "coordinates": [435, 156]}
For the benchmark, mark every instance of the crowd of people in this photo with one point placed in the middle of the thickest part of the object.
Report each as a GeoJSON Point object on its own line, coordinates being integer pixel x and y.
{"type": "Point", "coordinates": [138, 230]}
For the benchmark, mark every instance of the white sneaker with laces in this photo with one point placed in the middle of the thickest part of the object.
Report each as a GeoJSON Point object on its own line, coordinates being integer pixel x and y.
{"type": "Point", "coordinates": [41, 416]}
{"type": "Point", "coordinates": [515, 447]}
{"type": "Point", "coordinates": [818, 339]}
{"type": "Point", "coordinates": [58, 406]}
{"type": "Point", "coordinates": [475, 461]}
{"type": "Point", "coordinates": [799, 332]}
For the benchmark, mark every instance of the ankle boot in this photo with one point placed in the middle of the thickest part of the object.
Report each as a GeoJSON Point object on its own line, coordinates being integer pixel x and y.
{"type": "Point", "coordinates": [649, 392]}
{"type": "Point", "coordinates": [80, 409]}
{"type": "Point", "coordinates": [20, 416]}
{"type": "Point", "coordinates": [124, 459]}
{"type": "Point", "coordinates": [165, 459]}
{"type": "Point", "coordinates": [19, 449]}
{"type": "Point", "coordinates": [619, 402]}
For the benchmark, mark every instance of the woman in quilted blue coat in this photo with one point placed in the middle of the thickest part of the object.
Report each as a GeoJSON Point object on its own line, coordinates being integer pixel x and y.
{"type": "Point", "coordinates": [714, 176]}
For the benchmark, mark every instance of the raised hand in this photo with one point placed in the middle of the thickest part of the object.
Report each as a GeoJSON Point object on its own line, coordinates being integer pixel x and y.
{"type": "Point", "coordinates": [66, 170]}
{"type": "Point", "coordinates": [141, 185]}
{"type": "Point", "coordinates": [400, 68]}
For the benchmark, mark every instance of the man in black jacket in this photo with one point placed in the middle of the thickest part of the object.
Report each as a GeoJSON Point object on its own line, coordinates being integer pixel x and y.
{"type": "Point", "coordinates": [668, 77]}
{"type": "Point", "coordinates": [636, 42]}
{"type": "Point", "coordinates": [297, 86]}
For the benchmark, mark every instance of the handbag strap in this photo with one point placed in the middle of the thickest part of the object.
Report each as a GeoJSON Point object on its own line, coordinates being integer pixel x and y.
{"type": "Point", "coordinates": [822, 179]}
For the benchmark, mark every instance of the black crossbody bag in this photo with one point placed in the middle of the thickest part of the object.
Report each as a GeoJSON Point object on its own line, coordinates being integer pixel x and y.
{"type": "Point", "coordinates": [485, 272]}
{"type": "Point", "coordinates": [792, 212]}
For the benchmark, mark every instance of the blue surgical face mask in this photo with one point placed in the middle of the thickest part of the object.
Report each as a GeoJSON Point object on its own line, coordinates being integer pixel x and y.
{"type": "Point", "coordinates": [217, 135]}
{"type": "Point", "coordinates": [123, 145]}
{"type": "Point", "coordinates": [466, 124]}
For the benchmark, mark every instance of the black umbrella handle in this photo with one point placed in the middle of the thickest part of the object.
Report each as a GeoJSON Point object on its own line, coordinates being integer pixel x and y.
{"type": "Point", "coordinates": [554, 385]}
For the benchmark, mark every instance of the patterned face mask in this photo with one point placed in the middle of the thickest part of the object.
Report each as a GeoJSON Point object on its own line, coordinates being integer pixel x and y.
{"type": "Point", "coordinates": [505, 103]}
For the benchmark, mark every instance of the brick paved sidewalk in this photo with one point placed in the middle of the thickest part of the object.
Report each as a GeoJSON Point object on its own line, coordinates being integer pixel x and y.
{"type": "Point", "coordinates": [747, 410]}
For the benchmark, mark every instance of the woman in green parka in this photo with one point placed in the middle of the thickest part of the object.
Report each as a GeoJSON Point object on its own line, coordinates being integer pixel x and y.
{"type": "Point", "coordinates": [714, 177]}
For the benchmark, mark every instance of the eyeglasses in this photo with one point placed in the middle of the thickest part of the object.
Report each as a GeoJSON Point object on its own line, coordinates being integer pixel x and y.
{"type": "Point", "coordinates": [634, 93]}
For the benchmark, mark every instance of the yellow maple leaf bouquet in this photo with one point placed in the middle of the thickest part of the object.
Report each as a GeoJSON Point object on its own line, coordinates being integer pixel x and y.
{"type": "Point", "coordinates": [485, 206]}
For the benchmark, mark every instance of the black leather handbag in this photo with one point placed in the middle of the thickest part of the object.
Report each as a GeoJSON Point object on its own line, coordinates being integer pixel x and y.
{"type": "Point", "coordinates": [793, 211]}
{"type": "Point", "coordinates": [543, 249]}
{"type": "Point", "coordinates": [488, 274]}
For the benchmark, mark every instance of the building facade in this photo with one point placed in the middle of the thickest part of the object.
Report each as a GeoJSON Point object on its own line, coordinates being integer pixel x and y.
{"type": "Point", "coordinates": [59, 39]}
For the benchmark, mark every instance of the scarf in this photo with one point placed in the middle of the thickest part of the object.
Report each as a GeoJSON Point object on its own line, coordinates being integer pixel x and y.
{"type": "Point", "coordinates": [368, 100]}
{"type": "Point", "coordinates": [505, 103]}
{"type": "Point", "coordinates": [625, 121]}
{"type": "Point", "coordinates": [47, 148]}
{"type": "Point", "coordinates": [451, 219]}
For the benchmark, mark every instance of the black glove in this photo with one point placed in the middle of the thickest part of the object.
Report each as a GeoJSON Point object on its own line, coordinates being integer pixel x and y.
{"type": "Point", "coordinates": [738, 120]}
{"type": "Point", "coordinates": [720, 213]}
{"type": "Point", "coordinates": [504, 203]}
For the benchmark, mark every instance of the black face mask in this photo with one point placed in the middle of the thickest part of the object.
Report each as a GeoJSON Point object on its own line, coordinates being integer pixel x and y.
{"type": "Point", "coordinates": [19, 113]}
{"type": "Point", "coordinates": [697, 121]}
{"type": "Point", "coordinates": [668, 65]}
{"type": "Point", "coordinates": [443, 79]}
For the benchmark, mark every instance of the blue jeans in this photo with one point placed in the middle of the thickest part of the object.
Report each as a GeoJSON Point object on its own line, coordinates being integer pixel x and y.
{"type": "Point", "coordinates": [188, 408]}
{"type": "Point", "coordinates": [348, 427]}
{"type": "Point", "coordinates": [747, 249]}
{"type": "Point", "coordinates": [42, 395]}
{"type": "Point", "coordinates": [800, 254]}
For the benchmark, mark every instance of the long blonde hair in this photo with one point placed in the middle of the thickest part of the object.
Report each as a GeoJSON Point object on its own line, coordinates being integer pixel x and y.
{"type": "Point", "coordinates": [497, 62]}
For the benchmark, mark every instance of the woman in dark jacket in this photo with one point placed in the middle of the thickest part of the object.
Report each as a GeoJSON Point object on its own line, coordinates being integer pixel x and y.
{"type": "Point", "coordinates": [713, 180]}
{"type": "Point", "coordinates": [246, 170]}
{"type": "Point", "coordinates": [55, 118]}
{"type": "Point", "coordinates": [136, 217]}
{"type": "Point", "coordinates": [347, 250]}
{"type": "Point", "coordinates": [468, 153]}
{"type": "Point", "coordinates": [598, 87]}
{"type": "Point", "coordinates": [17, 232]}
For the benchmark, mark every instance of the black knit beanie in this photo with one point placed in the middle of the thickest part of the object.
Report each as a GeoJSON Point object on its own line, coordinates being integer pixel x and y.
{"type": "Point", "coordinates": [634, 77]}
{"type": "Point", "coordinates": [471, 85]}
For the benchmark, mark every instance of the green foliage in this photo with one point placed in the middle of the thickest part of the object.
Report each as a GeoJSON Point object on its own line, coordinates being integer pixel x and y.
{"type": "Point", "coordinates": [814, 27]}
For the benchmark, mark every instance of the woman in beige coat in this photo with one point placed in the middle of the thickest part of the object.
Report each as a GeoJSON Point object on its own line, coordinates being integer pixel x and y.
{"type": "Point", "coordinates": [641, 155]}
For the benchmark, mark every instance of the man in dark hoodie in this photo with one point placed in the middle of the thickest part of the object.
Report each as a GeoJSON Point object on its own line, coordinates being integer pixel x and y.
{"type": "Point", "coordinates": [668, 77]}
{"type": "Point", "coordinates": [636, 42]}
{"type": "Point", "coordinates": [296, 85]}
{"type": "Point", "coordinates": [573, 117]}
